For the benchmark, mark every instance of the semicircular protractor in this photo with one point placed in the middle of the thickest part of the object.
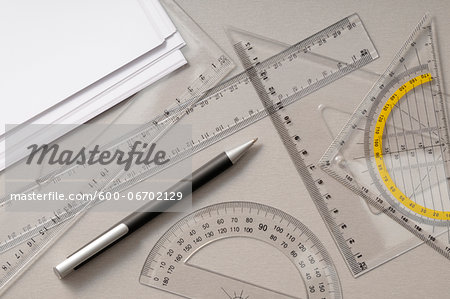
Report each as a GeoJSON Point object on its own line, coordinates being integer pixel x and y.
{"type": "Point", "coordinates": [406, 145]}
{"type": "Point", "coordinates": [241, 250]}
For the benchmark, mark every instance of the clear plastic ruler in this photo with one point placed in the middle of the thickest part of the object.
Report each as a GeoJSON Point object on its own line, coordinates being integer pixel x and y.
{"type": "Point", "coordinates": [172, 265]}
{"type": "Point", "coordinates": [26, 235]}
{"type": "Point", "coordinates": [218, 113]}
{"type": "Point", "coordinates": [394, 150]}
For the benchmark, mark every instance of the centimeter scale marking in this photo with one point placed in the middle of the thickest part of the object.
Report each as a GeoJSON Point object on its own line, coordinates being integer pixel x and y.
{"type": "Point", "coordinates": [239, 115]}
{"type": "Point", "coordinates": [400, 143]}
{"type": "Point", "coordinates": [284, 123]}
{"type": "Point", "coordinates": [26, 243]}
{"type": "Point", "coordinates": [167, 266]}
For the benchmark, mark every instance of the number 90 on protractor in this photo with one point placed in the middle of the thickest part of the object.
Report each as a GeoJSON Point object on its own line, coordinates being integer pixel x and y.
{"type": "Point", "coordinates": [241, 250]}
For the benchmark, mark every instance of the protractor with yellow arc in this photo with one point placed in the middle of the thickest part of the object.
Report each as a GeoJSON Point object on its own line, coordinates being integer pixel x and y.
{"type": "Point", "coordinates": [394, 151]}
{"type": "Point", "coordinates": [406, 145]}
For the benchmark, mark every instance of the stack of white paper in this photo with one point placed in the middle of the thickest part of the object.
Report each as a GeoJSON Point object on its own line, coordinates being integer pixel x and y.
{"type": "Point", "coordinates": [64, 62]}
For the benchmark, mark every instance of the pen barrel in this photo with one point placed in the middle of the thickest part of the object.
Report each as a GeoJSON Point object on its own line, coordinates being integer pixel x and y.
{"type": "Point", "coordinates": [152, 209]}
{"type": "Point", "coordinates": [186, 186]}
{"type": "Point", "coordinates": [149, 211]}
{"type": "Point", "coordinates": [210, 170]}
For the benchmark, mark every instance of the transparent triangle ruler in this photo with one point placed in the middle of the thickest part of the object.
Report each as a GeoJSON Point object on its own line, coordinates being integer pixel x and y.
{"type": "Point", "coordinates": [394, 150]}
{"type": "Point", "coordinates": [366, 238]}
{"type": "Point", "coordinates": [218, 113]}
{"type": "Point", "coordinates": [254, 231]}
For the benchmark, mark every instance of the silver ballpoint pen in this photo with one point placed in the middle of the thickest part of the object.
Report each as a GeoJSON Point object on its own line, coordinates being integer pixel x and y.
{"type": "Point", "coordinates": [145, 214]}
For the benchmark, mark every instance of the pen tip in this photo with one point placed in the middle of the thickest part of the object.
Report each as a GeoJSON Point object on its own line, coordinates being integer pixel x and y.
{"type": "Point", "coordinates": [237, 152]}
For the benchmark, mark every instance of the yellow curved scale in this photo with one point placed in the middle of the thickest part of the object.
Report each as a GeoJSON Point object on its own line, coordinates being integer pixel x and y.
{"type": "Point", "coordinates": [378, 151]}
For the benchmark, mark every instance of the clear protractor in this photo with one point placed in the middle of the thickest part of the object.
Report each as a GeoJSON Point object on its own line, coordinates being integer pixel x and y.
{"type": "Point", "coordinates": [407, 142]}
{"type": "Point", "coordinates": [241, 250]}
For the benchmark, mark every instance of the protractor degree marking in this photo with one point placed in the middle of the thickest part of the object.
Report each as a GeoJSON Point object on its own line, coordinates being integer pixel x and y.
{"type": "Point", "coordinates": [172, 269]}
{"type": "Point", "coordinates": [378, 151]}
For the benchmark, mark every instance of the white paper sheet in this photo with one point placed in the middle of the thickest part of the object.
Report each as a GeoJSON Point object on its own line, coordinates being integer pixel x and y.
{"type": "Point", "coordinates": [52, 49]}
{"type": "Point", "coordinates": [106, 92]}
{"type": "Point", "coordinates": [148, 75]}
{"type": "Point", "coordinates": [95, 91]}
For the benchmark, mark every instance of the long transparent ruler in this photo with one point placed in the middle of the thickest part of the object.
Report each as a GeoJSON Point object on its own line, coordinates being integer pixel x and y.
{"type": "Point", "coordinates": [24, 236]}
{"type": "Point", "coordinates": [220, 112]}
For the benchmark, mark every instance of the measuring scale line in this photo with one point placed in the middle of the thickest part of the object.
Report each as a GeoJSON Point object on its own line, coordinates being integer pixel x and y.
{"type": "Point", "coordinates": [305, 171]}
{"type": "Point", "coordinates": [417, 124]}
{"type": "Point", "coordinates": [233, 83]}
{"type": "Point", "coordinates": [198, 275]}
{"type": "Point", "coordinates": [169, 269]}
{"type": "Point", "coordinates": [245, 121]}
{"type": "Point", "coordinates": [239, 79]}
{"type": "Point", "coordinates": [239, 114]}
{"type": "Point", "coordinates": [164, 122]}
{"type": "Point", "coordinates": [378, 149]}
{"type": "Point", "coordinates": [151, 130]}
{"type": "Point", "coordinates": [23, 243]}
{"type": "Point", "coordinates": [425, 148]}
{"type": "Point", "coordinates": [367, 129]}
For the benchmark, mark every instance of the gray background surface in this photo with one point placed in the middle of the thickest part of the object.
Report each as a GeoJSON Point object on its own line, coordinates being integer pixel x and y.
{"type": "Point", "coordinates": [420, 273]}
